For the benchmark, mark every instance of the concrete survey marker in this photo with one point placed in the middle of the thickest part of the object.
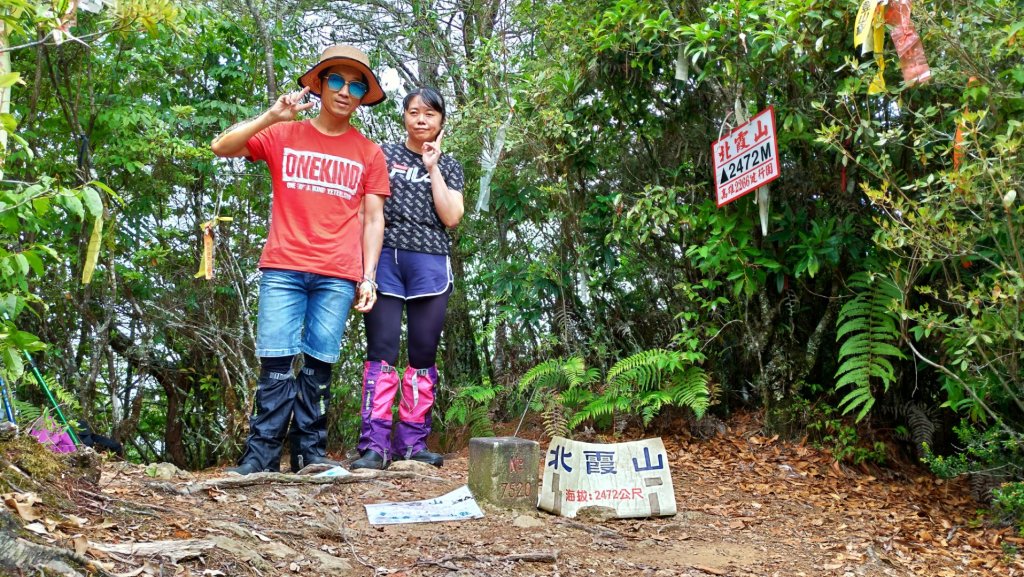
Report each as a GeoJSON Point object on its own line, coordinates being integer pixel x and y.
{"type": "Point", "coordinates": [616, 480]}
{"type": "Point", "coordinates": [503, 471]}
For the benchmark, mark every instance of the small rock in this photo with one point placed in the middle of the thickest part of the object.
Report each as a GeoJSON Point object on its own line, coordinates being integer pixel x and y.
{"type": "Point", "coordinates": [328, 562]}
{"type": "Point", "coordinates": [413, 466]}
{"type": "Point", "coordinates": [527, 522]}
{"type": "Point", "coordinates": [672, 528]}
{"type": "Point", "coordinates": [595, 514]}
{"type": "Point", "coordinates": [165, 471]}
{"type": "Point", "coordinates": [278, 550]}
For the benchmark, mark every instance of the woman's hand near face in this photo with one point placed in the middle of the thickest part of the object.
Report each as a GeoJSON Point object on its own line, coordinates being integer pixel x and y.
{"type": "Point", "coordinates": [432, 152]}
{"type": "Point", "coordinates": [447, 202]}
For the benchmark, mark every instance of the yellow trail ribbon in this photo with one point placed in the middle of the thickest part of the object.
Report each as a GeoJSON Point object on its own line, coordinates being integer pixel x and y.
{"type": "Point", "coordinates": [878, 82]}
{"type": "Point", "coordinates": [863, 26]}
{"type": "Point", "coordinates": [206, 260]}
{"type": "Point", "coordinates": [92, 253]}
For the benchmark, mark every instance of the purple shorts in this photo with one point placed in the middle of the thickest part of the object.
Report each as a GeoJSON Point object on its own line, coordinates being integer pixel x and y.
{"type": "Point", "coordinates": [408, 275]}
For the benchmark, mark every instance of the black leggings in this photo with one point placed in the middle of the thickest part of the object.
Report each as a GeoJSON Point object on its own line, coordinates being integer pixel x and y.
{"type": "Point", "coordinates": [425, 317]}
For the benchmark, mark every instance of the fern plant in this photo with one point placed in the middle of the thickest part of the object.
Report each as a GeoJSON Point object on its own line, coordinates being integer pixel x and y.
{"type": "Point", "coordinates": [869, 330]}
{"type": "Point", "coordinates": [641, 385]}
{"type": "Point", "coordinates": [555, 387]}
{"type": "Point", "coordinates": [555, 376]}
{"type": "Point", "coordinates": [465, 408]}
{"type": "Point", "coordinates": [644, 383]}
{"type": "Point", "coordinates": [469, 413]}
{"type": "Point", "coordinates": [556, 424]}
{"type": "Point", "coordinates": [67, 399]}
{"type": "Point", "coordinates": [26, 413]}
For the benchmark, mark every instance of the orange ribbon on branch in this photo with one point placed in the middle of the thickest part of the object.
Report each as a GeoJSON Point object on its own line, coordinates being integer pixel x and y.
{"type": "Point", "coordinates": [206, 260]}
{"type": "Point", "coordinates": [908, 44]}
{"type": "Point", "coordinates": [958, 138]}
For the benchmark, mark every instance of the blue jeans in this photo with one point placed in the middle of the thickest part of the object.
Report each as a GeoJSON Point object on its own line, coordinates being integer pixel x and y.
{"type": "Point", "coordinates": [302, 312]}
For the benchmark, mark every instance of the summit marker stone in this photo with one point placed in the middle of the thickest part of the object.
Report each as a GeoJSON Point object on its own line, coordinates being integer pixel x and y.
{"type": "Point", "coordinates": [503, 471]}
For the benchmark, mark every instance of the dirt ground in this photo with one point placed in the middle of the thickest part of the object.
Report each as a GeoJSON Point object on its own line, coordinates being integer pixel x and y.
{"type": "Point", "coordinates": [748, 505]}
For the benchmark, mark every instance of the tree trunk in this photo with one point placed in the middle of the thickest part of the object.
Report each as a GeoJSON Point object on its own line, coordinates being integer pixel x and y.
{"type": "Point", "coordinates": [5, 93]}
{"type": "Point", "coordinates": [459, 352]}
{"type": "Point", "coordinates": [176, 385]}
{"type": "Point", "coordinates": [427, 57]}
{"type": "Point", "coordinates": [174, 446]}
{"type": "Point", "coordinates": [268, 51]}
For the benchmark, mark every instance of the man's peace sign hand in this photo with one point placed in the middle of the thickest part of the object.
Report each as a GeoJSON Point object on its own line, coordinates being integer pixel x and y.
{"type": "Point", "coordinates": [288, 106]}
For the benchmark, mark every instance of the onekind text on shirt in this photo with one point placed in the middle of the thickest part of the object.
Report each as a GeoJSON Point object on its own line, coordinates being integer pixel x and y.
{"type": "Point", "coordinates": [318, 172]}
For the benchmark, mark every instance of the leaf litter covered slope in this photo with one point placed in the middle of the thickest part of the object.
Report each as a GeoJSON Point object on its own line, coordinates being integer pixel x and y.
{"type": "Point", "coordinates": [747, 506]}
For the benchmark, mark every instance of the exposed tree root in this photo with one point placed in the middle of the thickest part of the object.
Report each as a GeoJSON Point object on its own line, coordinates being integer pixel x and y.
{"type": "Point", "coordinates": [288, 479]}
{"type": "Point", "coordinates": [18, 554]}
{"type": "Point", "coordinates": [536, 557]}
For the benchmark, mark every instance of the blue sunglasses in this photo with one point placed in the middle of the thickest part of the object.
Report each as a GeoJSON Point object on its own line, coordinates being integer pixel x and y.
{"type": "Point", "coordinates": [356, 88]}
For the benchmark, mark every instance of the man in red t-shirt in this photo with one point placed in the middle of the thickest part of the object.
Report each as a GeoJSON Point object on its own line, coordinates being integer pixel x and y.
{"type": "Point", "coordinates": [318, 258]}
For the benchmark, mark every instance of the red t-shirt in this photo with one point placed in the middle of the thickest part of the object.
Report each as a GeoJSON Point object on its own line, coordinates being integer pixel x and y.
{"type": "Point", "coordinates": [319, 182]}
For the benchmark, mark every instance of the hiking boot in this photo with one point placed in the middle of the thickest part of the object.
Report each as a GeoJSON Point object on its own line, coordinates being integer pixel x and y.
{"type": "Point", "coordinates": [369, 460]}
{"type": "Point", "coordinates": [423, 456]}
{"type": "Point", "coordinates": [244, 469]}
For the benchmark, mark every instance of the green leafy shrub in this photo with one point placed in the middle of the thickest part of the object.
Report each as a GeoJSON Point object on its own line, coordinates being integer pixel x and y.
{"type": "Point", "coordinates": [993, 452]}
{"type": "Point", "coordinates": [1008, 504]}
{"type": "Point", "coordinates": [828, 430]}
{"type": "Point", "coordinates": [643, 384]}
{"type": "Point", "coordinates": [553, 386]}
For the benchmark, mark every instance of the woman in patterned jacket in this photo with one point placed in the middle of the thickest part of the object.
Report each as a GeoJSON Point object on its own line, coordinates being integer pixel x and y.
{"type": "Point", "coordinates": [414, 273]}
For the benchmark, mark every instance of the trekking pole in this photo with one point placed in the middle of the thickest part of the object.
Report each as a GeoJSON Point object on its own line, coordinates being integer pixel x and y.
{"type": "Point", "coordinates": [42, 383]}
{"type": "Point", "coordinates": [7, 400]}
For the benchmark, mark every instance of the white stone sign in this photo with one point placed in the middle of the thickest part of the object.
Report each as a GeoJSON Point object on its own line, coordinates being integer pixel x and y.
{"type": "Point", "coordinates": [624, 479]}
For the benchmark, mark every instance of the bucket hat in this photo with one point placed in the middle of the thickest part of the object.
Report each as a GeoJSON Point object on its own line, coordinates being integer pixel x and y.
{"type": "Point", "coordinates": [349, 56]}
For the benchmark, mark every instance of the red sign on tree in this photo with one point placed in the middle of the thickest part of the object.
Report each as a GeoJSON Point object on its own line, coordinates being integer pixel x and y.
{"type": "Point", "coordinates": [746, 158]}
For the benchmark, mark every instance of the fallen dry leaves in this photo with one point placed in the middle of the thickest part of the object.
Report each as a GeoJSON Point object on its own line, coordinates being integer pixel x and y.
{"type": "Point", "coordinates": [749, 505]}
{"type": "Point", "coordinates": [909, 521]}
